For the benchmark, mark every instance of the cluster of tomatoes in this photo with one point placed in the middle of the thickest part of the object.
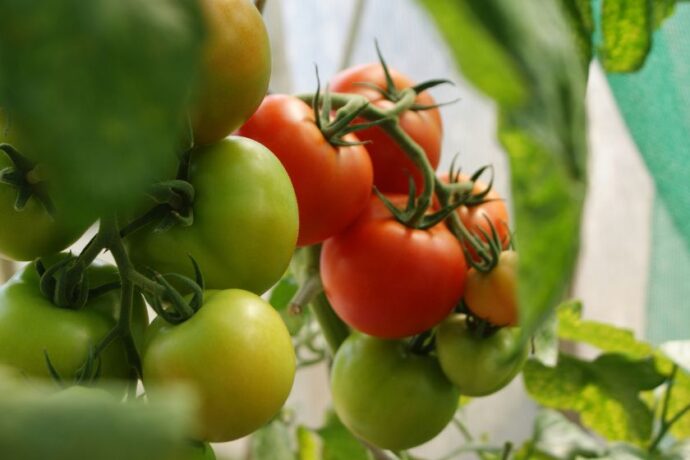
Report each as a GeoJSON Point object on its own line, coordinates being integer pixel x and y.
{"type": "Point", "coordinates": [432, 305]}
{"type": "Point", "coordinates": [397, 284]}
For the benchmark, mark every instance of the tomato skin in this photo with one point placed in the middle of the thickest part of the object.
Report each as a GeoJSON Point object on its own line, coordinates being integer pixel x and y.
{"type": "Point", "coordinates": [245, 220]}
{"type": "Point", "coordinates": [332, 184]}
{"type": "Point", "coordinates": [391, 281]}
{"type": "Point", "coordinates": [30, 324]}
{"type": "Point", "coordinates": [235, 352]}
{"type": "Point", "coordinates": [492, 296]}
{"type": "Point", "coordinates": [478, 366]}
{"type": "Point", "coordinates": [235, 70]}
{"type": "Point", "coordinates": [388, 396]}
{"type": "Point", "coordinates": [392, 167]}
{"type": "Point", "coordinates": [31, 232]}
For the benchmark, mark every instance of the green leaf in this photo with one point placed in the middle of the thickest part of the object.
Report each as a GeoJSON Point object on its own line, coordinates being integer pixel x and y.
{"type": "Point", "coordinates": [308, 446]}
{"type": "Point", "coordinates": [662, 10]}
{"type": "Point", "coordinates": [546, 342]}
{"type": "Point", "coordinates": [98, 91]}
{"type": "Point", "coordinates": [280, 297]}
{"type": "Point", "coordinates": [272, 442]}
{"type": "Point", "coordinates": [339, 443]}
{"type": "Point", "coordinates": [605, 336]}
{"type": "Point", "coordinates": [605, 392]}
{"type": "Point", "coordinates": [90, 423]}
{"type": "Point", "coordinates": [523, 55]}
{"type": "Point", "coordinates": [627, 34]}
{"type": "Point", "coordinates": [558, 437]}
{"type": "Point", "coordinates": [579, 16]}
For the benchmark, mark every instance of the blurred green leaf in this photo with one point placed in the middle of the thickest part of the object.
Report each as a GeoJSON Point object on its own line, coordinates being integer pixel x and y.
{"type": "Point", "coordinates": [558, 437]}
{"type": "Point", "coordinates": [523, 55]}
{"type": "Point", "coordinates": [281, 295]}
{"type": "Point", "coordinates": [605, 392]}
{"type": "Point", "coordinates": [84, 423]}
{"type": "Point", "coordinates": [546, 341]}
{"type": "Point", "coordinates": [339, 443]}
{"type": "Point", "coordinates": [579, 16]}
{"type": "Point", "coordinates": [308, 446]}
{"type": "Point", "coordinates": [272, 442]}
{"type": "Point", "coordinates": [627, 34]}
{"type": "Point", "coordinates": [606, 337]}
{"type": "Point", "coordinates": [661, 10]}
{"type": "Point", "coordinates": [97, 91]}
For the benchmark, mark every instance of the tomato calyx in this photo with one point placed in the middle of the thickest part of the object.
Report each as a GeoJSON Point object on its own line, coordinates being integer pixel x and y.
{"type": "Point", "coordinates": [25, 176]}
{"type": "Point", "coordinates": [87, 374]}
{"type": "Point", "coordinates": [335, 130]}
{"type": "Point", "coordinates": [166, 300]}
{"type": "Point", "coordinates": [393, 94]}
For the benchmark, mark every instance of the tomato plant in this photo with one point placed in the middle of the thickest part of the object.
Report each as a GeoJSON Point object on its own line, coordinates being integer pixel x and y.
{"type": "Point", "coordinates": [245, 220]}
{"type": "Point", "coordinates": [392, 167]}
{"type": "Point", "coordinates": [65, 334]}
{"type": "Point", "coordinates": [31, 231]}
{"type": "Point", "coordinates": [332, 183]}
{"type": "Point", "coordinates": [389, 396]}
{"type": "Point", "coordinates": [236, 354]}
{"type": "Point", "coordinates": [478, 365]}
{"type": "Point", "coordinates": [391, 281]}
{"type": "Point", "coordinates": [236, 68]}
{"type": "Point", "coordinates": [492, 296]}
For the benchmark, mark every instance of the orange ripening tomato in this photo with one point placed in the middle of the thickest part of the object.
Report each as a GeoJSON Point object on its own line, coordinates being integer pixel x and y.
{"type": "Point", "coordinates": [492, 296]}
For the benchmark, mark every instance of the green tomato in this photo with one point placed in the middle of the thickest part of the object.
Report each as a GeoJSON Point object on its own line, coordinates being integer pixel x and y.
{"type": "Point", "coordinates": [30, 324]}
{"type": "Point", "coordinates": [31, 232]}
{"type": "Point", "coordinates": [245, 220]}
{"type": "Point", "coordinates": [389, 396]}
{"type": "Point", "coordinates": [478, 366]}
{"type": "Point", "coordinates": [235, 353]}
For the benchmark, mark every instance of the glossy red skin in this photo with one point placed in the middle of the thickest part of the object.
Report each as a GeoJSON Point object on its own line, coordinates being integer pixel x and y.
{"type": "Point", "coordinates": [391, 281]}
{"type": "Point", "coordinates": [391, 165]}
{"type": "Point", "coordinates": [474, 217]}
{"type": "Point", "coordinates": [332, 184]}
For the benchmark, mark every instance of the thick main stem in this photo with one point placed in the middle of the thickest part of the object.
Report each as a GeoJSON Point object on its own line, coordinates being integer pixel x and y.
{"type": "Point", "coordinates": [334, 330]}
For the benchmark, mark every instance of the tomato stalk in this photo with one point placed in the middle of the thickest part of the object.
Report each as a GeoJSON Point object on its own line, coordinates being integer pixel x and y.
{"type": "Point", "coordinates": [306, 267]}
{"type": "Point", "coordinates": [109, 232]}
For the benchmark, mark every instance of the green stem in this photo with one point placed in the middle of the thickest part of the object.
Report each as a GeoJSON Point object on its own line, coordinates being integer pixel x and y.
{"type": "Point", "coordinates": [109, 232]}
{"type": "Point", "coordinates": [666, 423]}
{"type": "Point", "coordinates": [306, 267]}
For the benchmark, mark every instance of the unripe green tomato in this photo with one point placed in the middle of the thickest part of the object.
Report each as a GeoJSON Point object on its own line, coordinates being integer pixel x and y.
{"type": "Point", "coordinates": [245, 220]}
{"type": "Point", "coordinates": [30, 232]}
{"type": "Point", "coordinates": [478, 366]}
{"type": "Point", "coordinates": [30, 325]}
{"type": "Point", "coordinates": [389, 396]}
{"type": "Point", "coordinates": [235, 353]}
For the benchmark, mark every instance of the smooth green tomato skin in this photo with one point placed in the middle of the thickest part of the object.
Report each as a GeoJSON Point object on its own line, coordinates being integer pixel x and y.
{"type": "Point", "coordinates": [235, 353]}
{"type": "Point", "coordinates": [30, 324]}
{"type": "Point", "coordinates": [245, 220]}
{"type": "Point", "coordinates": [31, 232]}
{"type": "Point", "coordinates": [478, 366]}
{"type": "Point", "coordinates": [389, 396]}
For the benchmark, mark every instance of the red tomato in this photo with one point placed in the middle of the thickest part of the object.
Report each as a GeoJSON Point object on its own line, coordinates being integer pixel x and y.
{"type": "Point", "coordinates": [474, 218]}
{"type": "Point", "coordinates": [391, 281]}
{"type": "Point", "coordinates": [392, 167]}
{"type": "Point", "coordinates": [332, 184]}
